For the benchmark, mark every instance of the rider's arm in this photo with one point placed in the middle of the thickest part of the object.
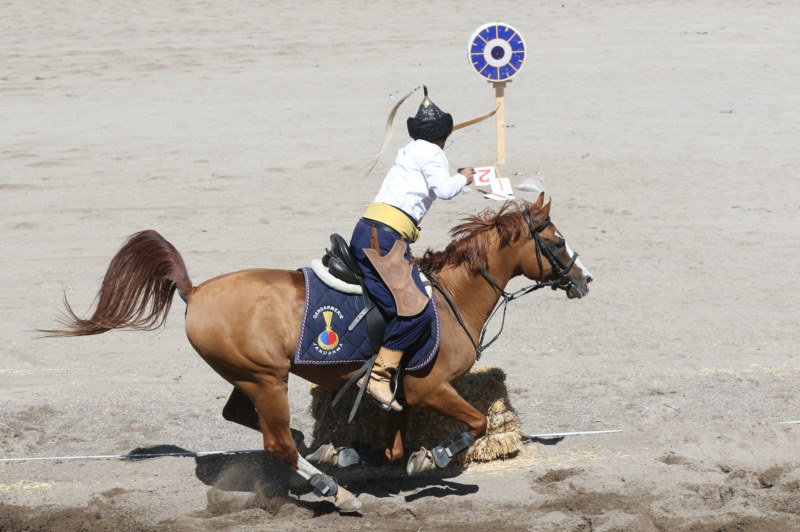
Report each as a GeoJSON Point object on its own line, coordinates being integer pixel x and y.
{"type": "Point", "coordinates": [436, 170]}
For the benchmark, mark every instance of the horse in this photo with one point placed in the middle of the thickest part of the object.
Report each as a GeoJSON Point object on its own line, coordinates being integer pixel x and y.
{"type": "Point", "coordinates": [245, 324]}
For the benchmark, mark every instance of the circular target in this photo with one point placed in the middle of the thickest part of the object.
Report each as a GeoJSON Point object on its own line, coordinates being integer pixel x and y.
{"type": "Point", "coordinates": [496, 51]}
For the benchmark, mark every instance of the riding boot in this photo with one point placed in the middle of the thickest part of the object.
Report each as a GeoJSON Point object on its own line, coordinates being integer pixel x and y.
{"type": "Point", "coordinates": [379, 386]}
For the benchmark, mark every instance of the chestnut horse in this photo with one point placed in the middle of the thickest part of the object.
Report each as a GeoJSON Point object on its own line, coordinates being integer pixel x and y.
{"type": "Point", "coordinates": [246, 324]}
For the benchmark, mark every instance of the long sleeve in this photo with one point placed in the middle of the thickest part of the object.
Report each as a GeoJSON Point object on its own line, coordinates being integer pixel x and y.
{"type": "Point", "coordinates": [436, 171]}
{"type": "Point", "coordinates": [420, 175]}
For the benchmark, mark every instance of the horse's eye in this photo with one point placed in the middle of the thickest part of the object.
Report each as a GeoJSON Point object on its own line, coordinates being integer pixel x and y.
{"type": "Point", "coordinates": [560, 243]}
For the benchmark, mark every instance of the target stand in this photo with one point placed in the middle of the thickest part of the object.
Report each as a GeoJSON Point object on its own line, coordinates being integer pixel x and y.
{"type": "Point", "coordinates": [497, 52]}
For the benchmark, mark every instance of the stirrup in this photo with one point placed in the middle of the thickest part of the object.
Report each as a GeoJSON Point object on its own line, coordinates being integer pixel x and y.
{"type": "Point", "coordinates": [394, 385]}
{"type": "Point", "coordinates": [366, 372]}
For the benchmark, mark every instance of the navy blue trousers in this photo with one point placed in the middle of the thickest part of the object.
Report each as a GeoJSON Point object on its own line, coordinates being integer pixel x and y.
{"type": "Point", "coordinates": [401, 332]}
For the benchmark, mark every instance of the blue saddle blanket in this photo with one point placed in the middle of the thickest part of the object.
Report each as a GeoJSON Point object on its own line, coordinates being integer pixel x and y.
{"type": "Point", "coordinates": [324, 334]}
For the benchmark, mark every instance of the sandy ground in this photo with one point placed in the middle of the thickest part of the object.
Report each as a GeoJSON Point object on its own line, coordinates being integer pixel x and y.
{"type": "Point", "coordinates": [666, 132]}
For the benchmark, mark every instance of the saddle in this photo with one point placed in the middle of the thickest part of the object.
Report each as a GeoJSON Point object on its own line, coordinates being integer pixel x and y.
{"type": "Point", "coordinates": [342, 264]}
{"type": "Point", "coordinates": [340, 261]}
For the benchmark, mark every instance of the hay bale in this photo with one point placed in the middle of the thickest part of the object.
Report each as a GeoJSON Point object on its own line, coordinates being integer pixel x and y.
{"type": "Point", "coordinates": [484, 388]}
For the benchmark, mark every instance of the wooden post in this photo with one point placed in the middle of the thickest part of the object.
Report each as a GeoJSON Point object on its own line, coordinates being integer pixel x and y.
{"type": "Point", "coordinates": [499, 97]}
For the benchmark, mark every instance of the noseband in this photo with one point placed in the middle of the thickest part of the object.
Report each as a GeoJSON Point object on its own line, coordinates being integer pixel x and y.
{"type": "Point", "coordinates": [542, 247]}
{"type": "Point", "coordinates": [560, 270]}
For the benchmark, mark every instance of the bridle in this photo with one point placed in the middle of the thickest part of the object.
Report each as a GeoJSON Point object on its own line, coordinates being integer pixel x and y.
{"type": "Point", "coordinates": [560, 269]}
{"type": "Point", "coordinates": [542, 247]}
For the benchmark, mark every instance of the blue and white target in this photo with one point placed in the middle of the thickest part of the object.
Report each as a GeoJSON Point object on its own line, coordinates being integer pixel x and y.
{"type": "Point", "coordinates": [496, 51]}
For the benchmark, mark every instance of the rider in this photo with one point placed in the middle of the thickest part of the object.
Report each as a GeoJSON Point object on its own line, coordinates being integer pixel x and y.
{"type": "Point", "coordinates": [381, 238]}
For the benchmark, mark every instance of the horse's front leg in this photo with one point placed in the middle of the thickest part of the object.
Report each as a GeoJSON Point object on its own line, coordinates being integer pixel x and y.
{"type": "Point", "coordinates": [446, 401]}
{"type": "Point", "coordinates": [396, 428]}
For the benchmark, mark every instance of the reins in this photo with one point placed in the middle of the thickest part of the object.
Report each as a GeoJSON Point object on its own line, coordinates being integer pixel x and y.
{"type": "Point", "coordinates": [507, 297]}
{"type": "Point", "coordinates": [433, 279]}
{"type": "Point", "coordinates": [559, 268]}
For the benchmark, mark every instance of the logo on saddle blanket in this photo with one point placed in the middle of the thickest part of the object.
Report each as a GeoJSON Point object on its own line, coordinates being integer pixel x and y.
{"type": "Point", "coordinates": [328, 340]}
{"type": "Point", "coordinates": [330, 334]}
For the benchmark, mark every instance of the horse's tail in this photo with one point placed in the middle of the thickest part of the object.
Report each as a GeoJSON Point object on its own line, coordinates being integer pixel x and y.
{"type": "Point", "coordinates": [137, 289]}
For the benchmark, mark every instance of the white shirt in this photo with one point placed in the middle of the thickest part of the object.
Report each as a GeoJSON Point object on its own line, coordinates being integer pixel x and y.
{"type": "Point", "coordinates": [420, 174]}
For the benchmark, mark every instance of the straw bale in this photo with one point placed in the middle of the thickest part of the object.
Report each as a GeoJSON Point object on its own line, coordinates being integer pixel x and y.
{"type": "Point", "coordinates": [483, 387]}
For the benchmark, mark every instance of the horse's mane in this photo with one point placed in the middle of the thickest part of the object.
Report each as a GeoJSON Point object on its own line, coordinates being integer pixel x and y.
{"type": "Point", "coordinates": [470, 244]}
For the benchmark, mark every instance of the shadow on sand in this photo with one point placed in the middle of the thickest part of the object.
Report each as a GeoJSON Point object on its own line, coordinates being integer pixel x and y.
{"type": "Point", "coordinates": [259, 477]}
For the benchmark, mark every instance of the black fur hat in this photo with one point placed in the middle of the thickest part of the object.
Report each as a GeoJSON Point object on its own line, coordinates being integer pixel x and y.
{"type": "Point", "coordinates": [430, 122]}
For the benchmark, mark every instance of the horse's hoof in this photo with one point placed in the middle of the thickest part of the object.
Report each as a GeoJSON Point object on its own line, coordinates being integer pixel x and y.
{"type": "Point", "coordinates": [346, 502]}
{"type": "Point", "coordinates": [347, 456]}
{"type": "Point", "coordinates": [325, 455]}
{"type": "Point", "coordinates": [420, 462]}
{"type": "Point", "coordinates": [329, 455]}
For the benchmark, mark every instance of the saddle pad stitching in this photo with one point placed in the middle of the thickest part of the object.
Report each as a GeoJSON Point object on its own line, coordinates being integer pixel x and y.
{"type": "Point", "coordinates": [298, 349]}
{"type": "Point", "coordinates": [435, 348]}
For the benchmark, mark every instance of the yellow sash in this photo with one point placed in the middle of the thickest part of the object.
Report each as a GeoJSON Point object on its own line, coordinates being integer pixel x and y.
{"type": "Point", "coordinates": [394, 218]}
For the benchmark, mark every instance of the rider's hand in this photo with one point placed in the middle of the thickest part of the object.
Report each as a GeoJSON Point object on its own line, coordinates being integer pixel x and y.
{"type": "Point", "coordinates": [469, 173]}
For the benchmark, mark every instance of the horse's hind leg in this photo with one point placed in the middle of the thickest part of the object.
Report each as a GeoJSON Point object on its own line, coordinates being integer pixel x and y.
{"type": "Point", "coordinates": [270, 398]}
{"type": "Point", "coordinates": [240, 410]}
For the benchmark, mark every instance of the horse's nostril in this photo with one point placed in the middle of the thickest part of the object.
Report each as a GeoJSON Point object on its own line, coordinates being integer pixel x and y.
{"type": "Point", "coordinates": [589, 279]}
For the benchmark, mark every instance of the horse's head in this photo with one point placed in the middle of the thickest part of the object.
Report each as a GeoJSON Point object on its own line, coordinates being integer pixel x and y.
{"type": "Point", "coordinates": [548, 257]}
{"type": "Point", "coordinates": [540, 252]}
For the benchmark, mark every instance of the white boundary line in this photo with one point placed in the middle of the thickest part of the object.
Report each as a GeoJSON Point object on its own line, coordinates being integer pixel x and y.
{"type": "Point", "coordinates": [251, 451]}
{"type": "Point", "coordinates": [581, 433]}
{"type": "Point", "coordinates": [127, 456]}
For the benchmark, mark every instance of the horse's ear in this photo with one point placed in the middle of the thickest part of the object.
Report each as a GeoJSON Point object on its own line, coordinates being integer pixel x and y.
{"type": "Point", "coordinates": [546, 208]}
{"type": "Point", "coordinates": [539, 201]}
